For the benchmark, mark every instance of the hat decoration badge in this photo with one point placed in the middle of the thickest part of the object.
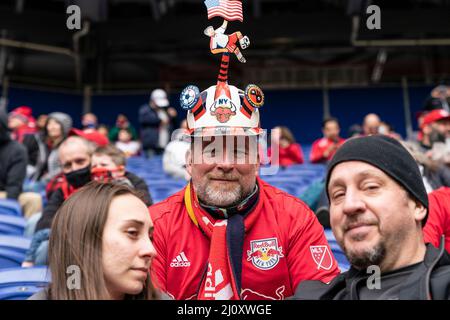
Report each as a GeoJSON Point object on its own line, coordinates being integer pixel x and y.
{"type": "Point", "coordinates": [223, 109]}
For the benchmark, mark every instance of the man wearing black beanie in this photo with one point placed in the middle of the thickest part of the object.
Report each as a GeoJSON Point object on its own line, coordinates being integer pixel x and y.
{"type": "Point", "coordinates": [378, 206]}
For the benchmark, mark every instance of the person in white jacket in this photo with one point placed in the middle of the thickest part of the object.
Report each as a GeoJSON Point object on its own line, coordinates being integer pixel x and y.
{"type": "Point", "coordinates": [174, 157]}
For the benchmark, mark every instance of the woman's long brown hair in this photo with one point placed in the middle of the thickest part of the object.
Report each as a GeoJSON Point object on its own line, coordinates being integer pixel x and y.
{"type": "Point", "coordinates": [76, 240]}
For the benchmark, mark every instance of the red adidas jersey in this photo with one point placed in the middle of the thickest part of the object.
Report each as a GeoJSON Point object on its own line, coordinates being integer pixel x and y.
{"type": "Point", "coordinates": [319, 147]}
{"type": "Point", "coordinates": [438, 222]}
{"type": "Point", "coordinates": [285, 225]}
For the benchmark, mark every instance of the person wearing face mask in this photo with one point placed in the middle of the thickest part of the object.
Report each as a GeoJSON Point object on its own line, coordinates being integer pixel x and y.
{"type": "Point", "coordinates": [108, 165]}
{"type": "Point", "coordinates": [75, 156]}
{"type": "Point", "coordinates": [116, 250]}
{"type": "Point", "coordinates": [89, 121]}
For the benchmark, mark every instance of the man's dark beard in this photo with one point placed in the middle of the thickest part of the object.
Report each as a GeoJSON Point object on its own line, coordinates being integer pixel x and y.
{"type": "Point", "coordinates": [436, 136]}
{"type": "Point", "coordinates": [374, 257]}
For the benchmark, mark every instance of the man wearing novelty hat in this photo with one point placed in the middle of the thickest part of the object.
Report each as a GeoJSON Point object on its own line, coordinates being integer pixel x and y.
{"type": "Point", "coordinates": [228, 235]}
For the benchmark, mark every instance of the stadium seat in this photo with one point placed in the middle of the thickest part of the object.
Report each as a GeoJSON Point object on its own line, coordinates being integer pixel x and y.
{"type": "Point", "coordinates": [13, 242]}
{"type": "Point", "coordinates": [10, 207]}
{"type": "Point", "coordinates": [343, 263]}
{"type": "Point", "coordinates": [339, 255]}
{"type": "Point", "coordinates": [10, 258]}
{"type": "Point", "coordinates": [13, 250]}
{"type": "Point", "coordinates": [21, 283]}
{"type": "Point", "coordinates": [12, 225]}
{"type": "Point", "coordinates": [160, 192]}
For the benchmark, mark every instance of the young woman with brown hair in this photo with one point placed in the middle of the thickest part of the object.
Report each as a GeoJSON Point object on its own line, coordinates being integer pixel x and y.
{"type": "Point", "coordinates": [100, 246]}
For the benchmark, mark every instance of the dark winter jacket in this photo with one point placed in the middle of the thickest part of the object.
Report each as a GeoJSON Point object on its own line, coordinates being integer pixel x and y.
{"type": "Point", "coordinates": [38, 153]}
{"type": "Point", "coordinates": [13, 161]}
{"type": "Point", "coordinates": [429, 281]}
{"type": "Point", "coordinates": [140, 185]}
{"type": "Point", "coordinates": [149, 122]}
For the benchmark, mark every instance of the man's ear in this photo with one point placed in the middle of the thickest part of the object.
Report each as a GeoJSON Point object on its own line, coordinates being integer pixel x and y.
{"type": "Point", "coordinates": [420, 212]}
{"type": "Point", "coordinates": [427, 129]}
{"type": "Point", "coordinates": [188, 158]}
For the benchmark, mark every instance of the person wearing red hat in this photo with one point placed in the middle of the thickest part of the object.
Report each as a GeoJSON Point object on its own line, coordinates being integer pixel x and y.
{"type": "Point", "coordinates": [21, 122]}
{"type": "Point", "coordinates": [435, 138]}
{"type": "Point", "coordinates": [92, 135]}
{"type": "Point", "coordinates": [435, 127]}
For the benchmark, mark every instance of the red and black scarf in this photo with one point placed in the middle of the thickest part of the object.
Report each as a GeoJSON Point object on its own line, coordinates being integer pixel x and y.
{"type": "Point", "coordinates": [226, 230]}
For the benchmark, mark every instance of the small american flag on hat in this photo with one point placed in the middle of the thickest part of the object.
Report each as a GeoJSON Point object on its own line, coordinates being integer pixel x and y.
{"type": "Point", "coordinates": [227, 9]}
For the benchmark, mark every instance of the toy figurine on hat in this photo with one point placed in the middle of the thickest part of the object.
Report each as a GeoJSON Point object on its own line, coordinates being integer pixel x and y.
{"type": "Point", "coordinates": [223, 108]}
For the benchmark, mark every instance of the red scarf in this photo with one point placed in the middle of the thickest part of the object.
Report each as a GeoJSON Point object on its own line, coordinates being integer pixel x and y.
{"type": "Point", "coordinates": [219, 282]}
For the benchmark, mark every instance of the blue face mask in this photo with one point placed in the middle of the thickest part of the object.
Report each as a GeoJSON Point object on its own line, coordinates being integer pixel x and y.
{"type": "Point", "coordinates": [90, 125]}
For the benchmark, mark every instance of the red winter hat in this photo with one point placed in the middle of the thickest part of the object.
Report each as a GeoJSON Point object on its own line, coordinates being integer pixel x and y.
{"type": "Point", "coordinates": [23, 112]}
{"type": "Point", "coordinates": [90, 135]}
{"type": "Point", "coordinates": [434, 116]}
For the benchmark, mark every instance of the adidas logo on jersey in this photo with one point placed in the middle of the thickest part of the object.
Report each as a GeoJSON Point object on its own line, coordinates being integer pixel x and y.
{"type": "Point", "coordinates": [180, 261]}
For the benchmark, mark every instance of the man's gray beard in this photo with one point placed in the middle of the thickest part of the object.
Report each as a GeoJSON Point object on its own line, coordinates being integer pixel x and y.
{"type": "Point", "coordinates": [221, 199]}
{"type": "Point", "coordinates": [373, 256]}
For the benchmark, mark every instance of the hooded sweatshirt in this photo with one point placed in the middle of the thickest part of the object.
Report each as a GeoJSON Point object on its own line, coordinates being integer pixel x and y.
{"type": "Point", "coordinates": [53, 165]}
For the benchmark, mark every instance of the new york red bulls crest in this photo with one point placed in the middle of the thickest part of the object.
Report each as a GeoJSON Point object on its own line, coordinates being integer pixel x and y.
{"type": "Point", "coordinates": [265, 253]}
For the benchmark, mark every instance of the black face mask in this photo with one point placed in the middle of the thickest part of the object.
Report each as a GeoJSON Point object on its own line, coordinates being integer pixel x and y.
{"type": "Point", "coordinates": [80, 177]}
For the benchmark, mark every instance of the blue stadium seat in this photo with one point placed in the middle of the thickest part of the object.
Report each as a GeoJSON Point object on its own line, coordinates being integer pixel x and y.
{"type": "Point", "coordinates": [16, 243]}
{"type": "Point", "coordinates": [344, 265]}
{"type": "Point", "coordinates": [10, 258]}
{"type": "Point", "coordinates": [21, 283]}
{"type": "Point", "coordinates": [10, 207]}
{"type": "Point", "coordinates": [12, 225]}
{"type": "Point", "coordinates": [161, 192]}
{"type": "Point", "coordinates": [329, 234]}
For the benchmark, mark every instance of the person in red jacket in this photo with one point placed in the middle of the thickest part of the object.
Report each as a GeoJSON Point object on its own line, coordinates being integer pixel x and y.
{"type": "Point", "coordinates": [228, 235]}
{"type": "Point", "coordinates": [21, 123]}
{"type": "Point", "coordinates": [290, 152]}
{"type": "Point", "coordinates": [323, 149]}
{"type": "Point", "coordinates": [438, 223]}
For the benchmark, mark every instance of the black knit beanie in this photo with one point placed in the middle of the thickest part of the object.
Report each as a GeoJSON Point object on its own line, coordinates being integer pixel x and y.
{"type": "Point", "coordinates": [388, 155]}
